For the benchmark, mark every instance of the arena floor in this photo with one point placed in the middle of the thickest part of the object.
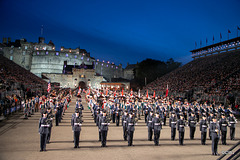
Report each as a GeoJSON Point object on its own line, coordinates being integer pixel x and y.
{"type": "Point", "coordinates": [19, 140]}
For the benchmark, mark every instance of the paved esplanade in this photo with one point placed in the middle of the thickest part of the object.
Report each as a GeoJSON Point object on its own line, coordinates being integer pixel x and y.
{"type": "Point", "coordinates": [19, 140]}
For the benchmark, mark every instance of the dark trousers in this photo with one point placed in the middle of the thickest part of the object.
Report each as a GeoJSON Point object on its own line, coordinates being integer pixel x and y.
{"type": "Point", "coordinates": [145, 117]}
{"type": "Point", "coordinates": [214, 144]}
{"type": "Point", "coordinates": [203, 137]}
{"type": "Point", "coordinates": [192, 131]}
{"type": "Point", "coordinates": [224, 136]}
{"type": "Point", "coordinates": [117, 120]}
{"type": "Point", "coordinates": [113, 118]}
{"type": "Point", "coordinates": [100, 135]}
{"type": "Point", "coordinates": [130, 138]}
{"type": "Point", "coordinates": [210, 134]}
{"type": "Point", "coordinates": [150, 133]}
{"type": "Point", "coordinates": [125, 133]}
{"type": "Point", "coordinates": [232, 133]}
{"type": "Point", "coordinates": [181, 138]}
{"type": "Point", "coordinates": [164, 120]}
{"type": "Point", "coordinates": [43, 141]}
{"type": "Point", "coordinates": [49, 134]}
{"type": "Point", "coordinates": [173, 133]}
{"type": "Point", "coordinates": [57, 119]}
{"type": "Point", "coordinates": [76, 138]}
{"type": "Point", "coordinates": [156, 137]}
{"type": "Point", "coordinates": [104, 138]}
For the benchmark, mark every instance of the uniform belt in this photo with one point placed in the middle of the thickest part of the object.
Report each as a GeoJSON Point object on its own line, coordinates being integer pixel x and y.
{"type": "Point", "coordinates": [124, 121]}
{"type": "Point", "coordinates": [44, 125]}
{"type": "Point", "coordinates": [77, 124]}
{"type": "Point", "coordinates": [232, 122]}
{"type": "Point", "coordinates": [173, 122]}
{"type": "Point", "coordinates": [224, 124]}
{"type": "Point", "coordinates": [181, 125]}
{"type": "Point", "coordinates": [204, 126]}
{"type": "Point", "coordinates": [192, 121]}
{"type": "Point", "coordinates": [105, 123]}
{"type": "Point", "coordinates": [150, 121]}
{"type": "Point", "coordinates": [156, 124]}
{"type": "Point", "coordinates": [130, 124]}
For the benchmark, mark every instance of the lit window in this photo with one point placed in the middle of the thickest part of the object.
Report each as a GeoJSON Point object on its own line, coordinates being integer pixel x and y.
{"type": "Point", "coordinates": [37, 53]}
{"type": "Point", "coordinates": [88, 59]}
{"type": "Point", "coordinates": [107, 65]}
{"type": "Point", "coordinates": [81, 57]}
{"type": "Point", "coordinates": [66, 55]}
{"type": "Point", "coordinates": [75, 56]}
{"type": "Point", "coordinates": [11, 58]}
{"type": "Point", "coordinates": [47, 52]}
{"type": "Point", "coordinates": [57, 53]}
{"type": "Point", "coordinates": [26, 47]}
{"type": "Point", "coordinates": [102, 64]}
{"type": "Point", "coordinates": [96, 62]}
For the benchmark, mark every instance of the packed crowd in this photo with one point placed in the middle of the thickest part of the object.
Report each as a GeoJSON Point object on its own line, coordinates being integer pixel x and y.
{"type": "Point", "coordinates": [16, 84]}
{"type": "Point", "coordinates": [214, 75]}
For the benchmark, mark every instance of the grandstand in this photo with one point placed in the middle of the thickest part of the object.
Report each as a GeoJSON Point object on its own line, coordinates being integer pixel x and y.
{"type": "Point", "coordinates": [213, 78]}
{"type": "Point", "coordinates": [14, 79]}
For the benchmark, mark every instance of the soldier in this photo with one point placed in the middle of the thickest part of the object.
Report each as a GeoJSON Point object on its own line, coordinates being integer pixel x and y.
{"type": "Point", "coordinates": [124, 124]}
{"type": "Point", "coordinates": [157, 126]}
{"type": "Point", "coordinates": [99, 115]}
{"type": "Point", "coordinates": [118, 114]}
{"type": "Point", "coordinates": [173, 124]}
{"type": "Point", "coordinates": [181, 129]}
{"type": "Point", "coordinates": [150, 126]}
{"type": "Point", "coordinates": [104, 123]}
{"type": "Point", "coordinates": [232, 124]}
{"type": "Point", "coordinates": [203, 129]}
{"type": "Point", "coordinates": [192, 125]}
{"type": "Point", "coordinates": [210, 120]}
{"type": "Point", "coordinates": [50, 119]}
{"type": "Point", "coordinates": [25, 106]}
{"type": "Point", "coordinates": [223, 127]}
{"type": "Point", "coordinates": [131, 122]}
{"type": "Point", "coordinates": [57, 113]}
{"type": "Point", "coordinates": [214, 127]}
{"type": "Point", "coordinates": [43, 130]}
{"type": "Point", "coordinates": [76, 123]}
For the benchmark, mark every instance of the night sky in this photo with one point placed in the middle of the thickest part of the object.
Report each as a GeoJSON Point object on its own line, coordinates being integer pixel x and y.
{"type": "Point", "coordinates": [122, 31]}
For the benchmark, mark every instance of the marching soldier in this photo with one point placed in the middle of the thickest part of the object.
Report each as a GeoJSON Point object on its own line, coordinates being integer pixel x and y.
{"type": "Point", "coordinates": [192, 125]}
{"type": "Point", "coordinates": [76, 123]}
{"type": "Point", "coordinates": [232, 124]}
{"type": "Point", "coordinates": [57, 113]}
{"type": "Point", "coordinates": [131, 122]}
{"type": "Point", "coordinates": [43, 130]}
{"type": "Point", "coordinates": [223, 127]}
{"type": "Point", "coordinates": [104, 123]}
{"type": "Point", "coordinates": [203, 129]}
{"type": "Point", "coordinates": [210, 120]}
{"type": "Point", "coordinates": [99, 115]}
{"type": "Point", "coordinates": [118, 114]}
{"type": "Point", "coordinates": [157, 126]}
{"type": "Point", "coordinates": [215, 133]}
{"type": "Point", "coordinates": [173, 125]}
{"type": "Point", "coordinates": [50, 119]}
{"type": "Point", "coordinates": [181, 129]}
{"type": "Point", "coordinates": [150, 126]}
{"type": "Point", "coordinates": [25, 106]}
{"type": "Point", "coordinates": [124, 124]}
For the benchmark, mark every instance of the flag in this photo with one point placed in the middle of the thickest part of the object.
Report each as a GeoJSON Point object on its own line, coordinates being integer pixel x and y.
{"type": "Point", "coordinates": [154, 94]}
{"type": "Point", "coordinates": [107, 92]}
{"type": "Point", "coordinates": [131, 93]}
{"type": "Point", "coordinates": [115, 93]}
{"type": "Point", "coordinates": [229, 31]}
{"type": "Point", "coordinates": [122, 92]}
{"type": "Point", "coordinates": [49, 87]}
{"type": "Point", "coordinates": [79, 91]}
{"type": "Point", "coordinates": [147, 94]}
{"type": "Point", "coordinates": [167, 91]}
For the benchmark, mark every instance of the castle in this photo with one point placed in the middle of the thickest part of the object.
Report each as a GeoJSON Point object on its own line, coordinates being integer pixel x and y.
{"type": "Point", "coordinates": [69, 67]}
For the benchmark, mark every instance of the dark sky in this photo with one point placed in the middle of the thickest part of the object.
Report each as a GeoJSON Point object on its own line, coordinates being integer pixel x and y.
{"type": "Point", "coordinates": [122, 31]}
